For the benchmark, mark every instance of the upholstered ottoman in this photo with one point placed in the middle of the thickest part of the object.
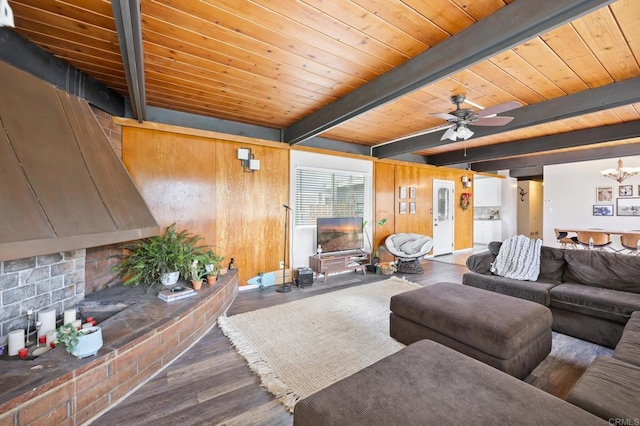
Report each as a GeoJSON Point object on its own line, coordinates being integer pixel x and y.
{"type": "Point", "coordinates": [429, 384]}
{"type": "Point", "coordinates": [510, 334]}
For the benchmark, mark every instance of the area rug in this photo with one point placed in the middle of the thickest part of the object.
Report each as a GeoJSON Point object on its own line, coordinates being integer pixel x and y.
{"type": "Point", "coordinates": [300, 347]}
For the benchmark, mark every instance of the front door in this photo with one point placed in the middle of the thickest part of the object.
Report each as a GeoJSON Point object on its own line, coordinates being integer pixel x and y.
{"type": "Point", "coordinates": [443, 220]}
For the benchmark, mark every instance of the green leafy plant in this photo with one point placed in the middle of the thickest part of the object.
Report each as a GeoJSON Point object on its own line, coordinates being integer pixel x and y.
{"type": "Point", "coordinates": [70, 336]}
{"type": "Point", "coordinates": [197, 271]}
{"type": "Point", "coordinates": [379, 223]}
{"type": "Point", "coordinates": [213, 262]}
{"type": "Point", "coordinates": [147, 259]}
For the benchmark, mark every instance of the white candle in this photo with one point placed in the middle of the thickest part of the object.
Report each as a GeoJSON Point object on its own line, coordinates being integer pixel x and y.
{"type": "Point", "coordinates": [69, 316]}
{"type": "Point", "coordinates": [52, 335]}
{"type": "Point", "coordinates": [48, 319]}
{"type": "Point", "coordinates": [16, 341]}
{"type": "Point", "coordinates": [77, 324]}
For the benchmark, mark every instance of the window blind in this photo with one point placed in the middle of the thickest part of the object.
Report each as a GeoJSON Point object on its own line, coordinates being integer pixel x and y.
{"type": "Point", "coordinates": [328, 193]}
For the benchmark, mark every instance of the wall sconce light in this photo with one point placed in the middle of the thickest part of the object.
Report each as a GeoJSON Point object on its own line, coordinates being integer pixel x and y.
{"type": "Point", "coordinates": [466, 182]}
{"type": "Point", "coordinates": [249, 164]}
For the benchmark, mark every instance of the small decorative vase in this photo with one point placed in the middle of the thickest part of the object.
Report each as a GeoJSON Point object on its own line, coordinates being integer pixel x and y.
{"type": "Point", "coordinates": [88, 344]}
{"type": "Point", "coordinates": [169, 278]}
{"type": "Point", "coordinates": [196, 284]}
{"type": "Point", "coordinates": [211, 279]}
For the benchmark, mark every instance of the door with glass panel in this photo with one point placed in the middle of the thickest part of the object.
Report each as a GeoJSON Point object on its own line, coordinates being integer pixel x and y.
{"type": "Point", "coordinates": [443, 219]}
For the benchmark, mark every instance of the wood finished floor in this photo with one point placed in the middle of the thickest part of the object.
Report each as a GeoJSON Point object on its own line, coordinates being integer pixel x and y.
{"type": "Point", "coordinates": [212, 385]}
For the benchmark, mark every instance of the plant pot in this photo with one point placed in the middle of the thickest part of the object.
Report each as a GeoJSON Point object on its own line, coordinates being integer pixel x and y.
{"type": "Point", "coordinates": [373, 267]}
{"type": "Point", "coordinates": [196, 284]}
{"type": "Point", "coordinates": [169, 278]}
{"type": "Point", "coordinates": [88, 344]}
{"type": "Point", "coordinates": [211, 279]}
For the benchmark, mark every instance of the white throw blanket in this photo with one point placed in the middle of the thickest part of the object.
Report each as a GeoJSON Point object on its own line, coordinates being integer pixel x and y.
{"type": "Point", "coordinates": [518, 258]}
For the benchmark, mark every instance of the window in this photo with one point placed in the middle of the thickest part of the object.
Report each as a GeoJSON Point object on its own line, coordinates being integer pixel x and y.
{"type": "Point", "coordinates": [328, 193]}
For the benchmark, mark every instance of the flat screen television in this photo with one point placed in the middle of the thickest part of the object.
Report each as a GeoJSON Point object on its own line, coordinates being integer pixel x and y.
{"type": "Point", "coordinates": [340, 234]}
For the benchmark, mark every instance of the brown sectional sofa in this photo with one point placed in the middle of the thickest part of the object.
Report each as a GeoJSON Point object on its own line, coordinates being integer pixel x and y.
{"type": "Point", "coordinates": [610, 388]}
{"type": "Point", "coordinates": [591, 294]}
{"type": "Point", "coordinates": [427, 383]}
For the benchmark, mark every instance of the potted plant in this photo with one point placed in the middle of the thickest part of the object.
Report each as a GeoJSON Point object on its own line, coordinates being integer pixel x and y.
{"type": "Point", "coordinates": [212, 267]}
{"type": "Point", "coordinates": [161, 258]}
{"type": "Point", "coordinates": [79, 343]}
{"type": "Point", "coordinates": [197, 272]}
{"type": "Point", "coordinates": [376, 257]}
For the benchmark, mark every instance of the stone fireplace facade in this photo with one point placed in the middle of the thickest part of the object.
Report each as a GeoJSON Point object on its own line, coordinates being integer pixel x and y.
{"type": "Point", "coordinates": [58, 280]}
{"type": "Point", "coordinates": [50, 281]}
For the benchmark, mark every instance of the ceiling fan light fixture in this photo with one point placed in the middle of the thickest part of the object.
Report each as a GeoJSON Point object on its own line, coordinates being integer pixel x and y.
{"type": "Point", "coordinates": [449, 134]}
{"type": "Point", "coordinates": [464, 132]}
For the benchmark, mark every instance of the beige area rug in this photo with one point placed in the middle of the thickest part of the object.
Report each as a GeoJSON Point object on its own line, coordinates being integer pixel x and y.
{"type": "Point", "coordinates": [303, 346]}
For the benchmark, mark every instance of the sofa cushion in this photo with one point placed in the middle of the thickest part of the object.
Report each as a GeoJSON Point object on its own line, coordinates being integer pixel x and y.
{"type": "Point", "coordinates": [598, 302]}
{"type": "Point", "coordinates": [551, 264]}
{"type": "Point", "coordinates": [551, 261]}
{"type": "Point", "coordinates": [609, 389]}
{"type": "Point", "coordinates": [602, 269]}
{"type": "Point", "coordinates": [481, 262]}
{"type": "Point", "coordinates": [537, 291]}
{"type": "Point", "coordinates": [429, 384]}
{"type": "Point", "coordinates": [628, 349]}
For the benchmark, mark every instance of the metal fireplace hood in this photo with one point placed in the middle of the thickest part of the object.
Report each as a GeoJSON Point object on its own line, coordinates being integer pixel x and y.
{"type": "Point", "coordinates": [62, 187]}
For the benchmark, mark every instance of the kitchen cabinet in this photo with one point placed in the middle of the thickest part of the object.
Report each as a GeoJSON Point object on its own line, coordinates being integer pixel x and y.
{"type": "Point", "coordinates": [485, 231]}
{"type": "Point", "coordinates": [487, 192]}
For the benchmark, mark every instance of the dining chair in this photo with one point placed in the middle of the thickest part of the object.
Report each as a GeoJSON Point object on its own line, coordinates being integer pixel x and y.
{"type": "Point", "coordinates": [564, 240]}
{"type": "Point", "coordinates": [629, 240]}
{"type": "Point", "coordinates": [601, 240]}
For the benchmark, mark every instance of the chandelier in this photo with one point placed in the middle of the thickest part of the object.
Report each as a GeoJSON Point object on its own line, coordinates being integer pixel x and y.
{"type": "Point", "coordinates": [621, 173]}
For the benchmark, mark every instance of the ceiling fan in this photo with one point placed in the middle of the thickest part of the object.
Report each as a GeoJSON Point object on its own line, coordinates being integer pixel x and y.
{"type": "Point", "coordinates": [461, 117]}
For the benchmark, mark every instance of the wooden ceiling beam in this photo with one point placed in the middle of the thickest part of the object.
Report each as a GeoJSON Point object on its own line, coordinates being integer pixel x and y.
{"type": "Point", "coordinates": [126, 14]}
{"type": "Point", "coordinates": [508, 27]}
{"type": "Point", "coordinates": [558, 158]}
{"type": "Point", "coordinates": [576, 138]}
{"type": "Point", "coordinates": [604, 97]}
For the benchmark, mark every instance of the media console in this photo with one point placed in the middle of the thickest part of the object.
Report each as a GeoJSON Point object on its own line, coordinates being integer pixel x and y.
{"type": "Point", "coordinates": [339, 262]}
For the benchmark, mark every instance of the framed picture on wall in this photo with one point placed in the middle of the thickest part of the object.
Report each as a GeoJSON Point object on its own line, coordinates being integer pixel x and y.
{"type": "Point", "coordinates": [402, 193]}
{"type": "Point", "coordinates": [604, 194]}
{"type": "Point", "coordinates": [403, 208]}
{"type": "Point", "coordinates": [628, 206]}
{"type": "Point", "coordinates": [412, 192]}
{"type": "Point", "coordinates": [625, 190]}
{"type": "Point", "coordinates": [412, 208]}
{"type": "Point", "coordinates": [602, 210]}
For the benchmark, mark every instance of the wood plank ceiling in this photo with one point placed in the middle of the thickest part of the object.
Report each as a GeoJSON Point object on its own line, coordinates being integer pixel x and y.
{"type": "Point", "coordinates": [273, 62]}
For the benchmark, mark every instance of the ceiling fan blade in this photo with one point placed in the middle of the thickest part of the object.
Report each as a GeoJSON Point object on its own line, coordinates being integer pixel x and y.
{"type": "Point", "coordinates": [449, 134]}
{"type": "Point", "coordinates": [445, 116]}
{"type": "Point", "coordinates": [507, 106]}
{"type": "Point", "coordinates": [492, 121]}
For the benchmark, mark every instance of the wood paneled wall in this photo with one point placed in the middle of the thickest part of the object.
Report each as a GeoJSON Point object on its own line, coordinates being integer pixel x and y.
{"type": "Point", "coordinates": [390, 176]}
{"type": "Point", "coordinates": [199, 183]}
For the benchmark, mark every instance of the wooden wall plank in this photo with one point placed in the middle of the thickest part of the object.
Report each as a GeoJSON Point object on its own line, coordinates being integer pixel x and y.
{"type": "Point", "coordinates": [175, 175]}
{"type": "Point", "coordinates": [384, 205]}
{"type": "Point", "coordinates": [199, 183]}
{"type": "Point", "coordinates": [388, 179]}
{"type": "Point", "coordinates": [249, 213]}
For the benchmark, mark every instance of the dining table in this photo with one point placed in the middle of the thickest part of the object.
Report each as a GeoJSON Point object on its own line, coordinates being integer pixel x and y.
{"type": "Point", "coordinates": [604, 231]}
